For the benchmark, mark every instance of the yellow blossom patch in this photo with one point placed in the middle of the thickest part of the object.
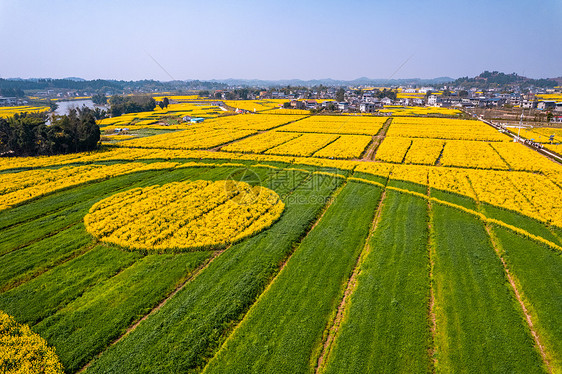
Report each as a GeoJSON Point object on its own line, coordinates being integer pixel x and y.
{"type": "Point", "coordinates": [23, 351]}
{"type": "Point", "coordinates": [180, 216]}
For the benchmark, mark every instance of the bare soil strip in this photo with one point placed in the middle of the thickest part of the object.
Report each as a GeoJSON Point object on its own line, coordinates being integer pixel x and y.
{"type": "Point", "coordinates": [369, 154]}
{"type": "Point", "coordinates": [333, 197]}
{"type": "Point", "coordinates": [432, 319]}
{"type": "Point", "coordinates": [370, 150]}
{"type": "Point", "coordinates": [351, 285]}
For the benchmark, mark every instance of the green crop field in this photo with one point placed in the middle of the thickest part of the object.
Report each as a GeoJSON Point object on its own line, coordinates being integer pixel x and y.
{"type": "Point", "coordinates": [386, 325]}
{"type": "Point", "coordinates": [159, 258]}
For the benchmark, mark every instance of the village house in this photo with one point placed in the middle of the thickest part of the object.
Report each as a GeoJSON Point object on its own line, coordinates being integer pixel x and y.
{"type": "Point", "coordinates": [546, 105]}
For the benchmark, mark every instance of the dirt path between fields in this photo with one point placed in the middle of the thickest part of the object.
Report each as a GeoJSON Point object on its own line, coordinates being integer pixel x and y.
{"type": "Point", "coordinates": [351, 285]}
{"type": "Point", "coordinates": [528, 317]}
{"type": "Point", "coordinates": [369, 154]}
{"type": "Point", "coordinates": [190, 278]}
{"type": "Point", "coordinates": [219, 147]}
{"type": "Point", "coordinates": [432, 318]}
{"type": "Point", "coordinates": [333, 197]}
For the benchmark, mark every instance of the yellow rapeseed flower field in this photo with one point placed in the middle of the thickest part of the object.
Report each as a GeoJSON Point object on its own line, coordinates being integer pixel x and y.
{"type": "Point", "coordinates": [444, 128]}
{"type": "Point", "coordinates": [261, 142]}
{"type": "Point", "coordinates": [393, 149]}
{"type": "Point", "coordinates": [346, 146]}
{"type": "Point", "coordinates": [184, 215]}
{"type": "Point", "coordinates": [24, 352]}
{"type": "Point", "coordinates": [9, 111]}
{"type": "Point", "coordinates": [304, 145]}
{"type": "Point", "coordinates": [472, 154]}
{"type": "Point", "coordinates": [355, 125]}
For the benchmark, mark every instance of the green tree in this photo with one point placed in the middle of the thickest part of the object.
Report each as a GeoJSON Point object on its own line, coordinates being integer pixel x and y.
{"type": "Point", "coordinates": [99, 99]}
{"type": "Point", "coordinates": [53, 106]}
{"type": "Point", "coordinates": [340, 95]}
{"type": "Point", "coordinates": [131, 104]}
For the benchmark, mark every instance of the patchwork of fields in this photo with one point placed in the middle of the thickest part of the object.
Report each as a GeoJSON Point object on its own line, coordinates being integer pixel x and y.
{"type": "Point", "coordinates": [287, 243]}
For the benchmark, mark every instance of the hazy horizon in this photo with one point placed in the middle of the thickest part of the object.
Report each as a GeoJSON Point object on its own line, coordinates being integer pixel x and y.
{"type": "Point", "coordinates": [135, 40]}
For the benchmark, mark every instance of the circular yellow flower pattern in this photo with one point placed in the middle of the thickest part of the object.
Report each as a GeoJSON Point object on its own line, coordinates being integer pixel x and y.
{"type": "Point", "coordinates": [184, 216]}
{"type": "Point", "coordinates": [23, 351]}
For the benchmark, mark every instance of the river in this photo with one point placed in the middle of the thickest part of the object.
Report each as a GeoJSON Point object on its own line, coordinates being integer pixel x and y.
{"type": "Point", "coordinates": [65, 106]}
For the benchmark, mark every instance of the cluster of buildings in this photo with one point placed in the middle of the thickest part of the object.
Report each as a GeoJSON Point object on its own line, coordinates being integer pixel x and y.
{"type": "Point", "coordinates": [495, 100]}
{"type": "Point", "coordinates": [9, 101]}
{"type": "Point", "coordinates": [370, 100]}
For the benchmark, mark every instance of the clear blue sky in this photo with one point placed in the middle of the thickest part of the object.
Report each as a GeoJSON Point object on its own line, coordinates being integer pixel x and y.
{"type": "Point", "coordinates": [278, 39]}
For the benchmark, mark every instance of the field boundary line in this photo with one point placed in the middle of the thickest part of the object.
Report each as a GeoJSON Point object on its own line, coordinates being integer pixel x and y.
{"type": "Point", "coordinates": [500, 156]}
{"type": "Point", "coordinates": [333, 328]}
{"type": "Point", "coordinates": [327, 144]}
{"type": "Point", "coordinates": [181, 286]}
{"type": "Point", "coordinates": [484, 218]}
{"type": "Point", "coordinates": [438, 160]}
{"type": "Point", "coordinates": [280, 144]}
{"type": "Point", "coordinates": [46, 236]}
{"type": "Point", "coordinates": [403, 162]}
{"type": "Point", "coordinates": [218, 147]}
{"type": "Point", "coordinates": [378, 138]}
{"type": "Point", "coordinates": [432, 317]}
{"type": "Point", "coordinates": [66, 189]}
{"type": "Point", "coordinates": [282, 266]}
{"type": "Point", "coordinates": [498, 249]}
{"type": "Point", "coordinates": [479, 215]}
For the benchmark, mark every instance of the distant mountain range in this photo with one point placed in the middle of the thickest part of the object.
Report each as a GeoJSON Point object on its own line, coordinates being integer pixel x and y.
{"type": "Point", "coordinates": [483, 81]}
{"type": "Point", "coordinates": [496, 79]}
{"type": "Point", "coordinates": [363, 81]}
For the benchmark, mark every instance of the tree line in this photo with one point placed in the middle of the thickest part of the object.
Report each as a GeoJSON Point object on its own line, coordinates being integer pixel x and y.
{"type": "Point", "coordinates": [102, 85]}
{"type": "Point", "coordinates": [29, 134]}
{"type": "Point", "coordinates": [130, 104]}
{"type": "Point", "coordinates": [11, 92]}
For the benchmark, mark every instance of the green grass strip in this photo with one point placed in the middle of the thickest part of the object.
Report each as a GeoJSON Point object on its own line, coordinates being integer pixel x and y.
{"type": "Point", "coordinates": [186, 331]}
{"type": "Point", "coordinates": [88, 324]}
{"type": "Point", "coordinates": [528, 224]}
{"type": "Point", "coordinates": [538, 274]}
{"type": "Point", "coordinates": [283, 331]}
{"type": "Point", "coordinates": [23, 264]}
{"type": "Point", "coordinates": [480, 327]}
{"type": "Point", "coordinates": [385, 327]}
{"type": "Point", "coordinates": [42, 296]}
